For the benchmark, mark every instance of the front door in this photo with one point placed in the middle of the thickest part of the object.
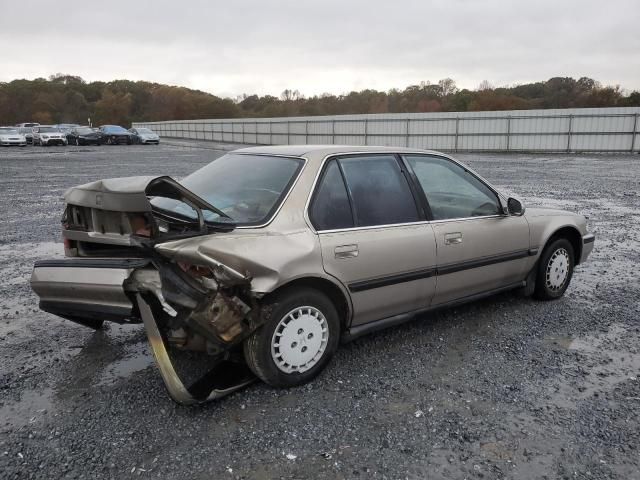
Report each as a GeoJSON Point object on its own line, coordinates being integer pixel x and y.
{"type": "Point", "coordinates": [374, 236]}
{"type": "Point", "coordinates": [479, 248]}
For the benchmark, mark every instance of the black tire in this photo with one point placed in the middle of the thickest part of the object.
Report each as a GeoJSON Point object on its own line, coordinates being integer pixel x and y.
{"type": "Point", "coordinates": [555, 269]}
{"type": "Point", "coordinates": [257, 348]}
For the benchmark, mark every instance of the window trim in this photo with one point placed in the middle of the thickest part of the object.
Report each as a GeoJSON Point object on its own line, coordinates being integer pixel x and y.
{"type": "Point", "coordinates": [400, 155]}
{"type": "Point", "coordinates": [337, 157]}
{"type": "Point", "coordinates": [466, 169]}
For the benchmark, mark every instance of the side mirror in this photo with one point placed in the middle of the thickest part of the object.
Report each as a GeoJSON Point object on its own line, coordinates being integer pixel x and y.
{"type": "Point", "coordinates": [515, 207]}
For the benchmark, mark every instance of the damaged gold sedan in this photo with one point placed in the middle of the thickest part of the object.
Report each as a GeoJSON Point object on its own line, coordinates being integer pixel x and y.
{"type": "Point", "coordinates": [269, 256]}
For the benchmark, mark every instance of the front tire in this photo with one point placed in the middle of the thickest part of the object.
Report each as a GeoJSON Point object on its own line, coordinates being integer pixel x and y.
{"type": "Point", "coordinates": [555, 270]}
{"type": "Point", "coordinates": [299, 336]}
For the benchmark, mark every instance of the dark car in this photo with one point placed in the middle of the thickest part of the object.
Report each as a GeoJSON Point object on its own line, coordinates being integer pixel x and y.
{"type": "Point", "coordinates": [84, 136]}
{"type": "Point", "coordinates": [114, 135]}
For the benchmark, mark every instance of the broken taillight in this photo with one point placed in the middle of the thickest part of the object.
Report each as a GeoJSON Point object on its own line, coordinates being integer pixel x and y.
{"type": "Point", "coordinates": [140, 226]}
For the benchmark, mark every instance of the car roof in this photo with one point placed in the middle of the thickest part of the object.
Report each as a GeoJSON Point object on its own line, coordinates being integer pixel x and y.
{"type": "Point", "coordinates": [324, 150]}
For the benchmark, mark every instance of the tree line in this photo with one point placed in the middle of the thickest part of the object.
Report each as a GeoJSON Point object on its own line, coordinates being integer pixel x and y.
{"type": "Point", "coordinates": [70, 99]}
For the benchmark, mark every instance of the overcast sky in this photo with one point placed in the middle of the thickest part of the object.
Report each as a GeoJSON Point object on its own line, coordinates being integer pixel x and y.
{"type": "Point", "coordinates": [316, 46]}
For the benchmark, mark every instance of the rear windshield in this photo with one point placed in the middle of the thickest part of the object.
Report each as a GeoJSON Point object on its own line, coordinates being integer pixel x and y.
{"type": "Point", "coordinates": [48, 129]}
{"type": "Point", "coordinates": [8, 131]}
{"type": "Point", "coordinates": [114, 129]}
{"type": "Point", "coordinates": [248, 188]}
{"type": "Point", "coordinates": [84, 131]}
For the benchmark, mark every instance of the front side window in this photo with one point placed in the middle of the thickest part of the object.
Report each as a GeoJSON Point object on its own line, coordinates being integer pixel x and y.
{"type": "Point", "coordinates": [247, 188]}
{"type": "Point", "coordinates": [330, 208]}
{"type": "Point", "coordinates": [452, 191]}
{"type": "Point", "coordinates": [379, 191]}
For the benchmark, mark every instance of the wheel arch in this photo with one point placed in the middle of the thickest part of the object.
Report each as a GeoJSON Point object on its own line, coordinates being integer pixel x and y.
{"type": "Point", "coordinates": [573, 235]}
{"type": "Point", "coordinates": [335, 293]}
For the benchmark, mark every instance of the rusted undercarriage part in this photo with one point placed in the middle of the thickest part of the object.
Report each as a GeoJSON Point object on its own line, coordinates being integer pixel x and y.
{"type": "Point", "coordinates": [215, 384]}
{"type": "Point", "coordinates": [183, 311]}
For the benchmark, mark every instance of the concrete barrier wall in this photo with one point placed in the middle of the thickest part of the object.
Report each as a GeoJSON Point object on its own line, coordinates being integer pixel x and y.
{"type": "Point", "coordinates": [558, 130]}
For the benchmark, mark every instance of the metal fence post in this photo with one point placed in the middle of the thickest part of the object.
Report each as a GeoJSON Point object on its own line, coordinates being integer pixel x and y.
{"type": "Point", "coordinates": [508, 132]}
{"type": "Point", "coordinates": [333, 131]}
{"type": "Point", "coordinates": [569, 134]}
{"type": "Point", "coordinates": [635, 132]}
{"type": "Point", "coordinates": [288, 132]}
{"type": "Point", "coordinates": [457, 127]}
{"type": "Point", "coordinates": [407, 132]}
{"type": "Point", "coordinates": [243, 140]}
{"type": "Point", "coordinates": [366, 131]}
{"type": "Point", "coordinates": [270, 133]}
{"type": "Point", "coordinates": [306, 132]}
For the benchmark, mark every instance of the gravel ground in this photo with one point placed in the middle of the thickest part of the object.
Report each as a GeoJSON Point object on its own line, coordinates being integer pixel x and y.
{"type": "Point", "coordinates": [503, 388]}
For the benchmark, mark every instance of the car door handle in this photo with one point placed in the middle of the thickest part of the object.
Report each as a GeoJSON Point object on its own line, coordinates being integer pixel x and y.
{"type": "Point", "coordinates": [453, 238]}
{"type": "Point", "coordinates": [346, 251]}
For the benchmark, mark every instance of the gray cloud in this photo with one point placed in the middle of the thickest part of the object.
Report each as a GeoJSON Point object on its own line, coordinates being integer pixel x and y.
{"type": "Point", "coordinates": [250, 46]}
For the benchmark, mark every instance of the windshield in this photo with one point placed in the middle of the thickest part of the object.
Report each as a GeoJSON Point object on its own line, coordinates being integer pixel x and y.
{"type": "Point", "coordinates": [84, 131]}
{"type": "Point", "coordinates": [8, 131]}
{"type": "Point", "coordinates": [48, 129]}
{"type": "Point", "coordinates": [248, 188]}
{"type": "Point", "coordinates": [144, 130]}
{"type": "Point", "coordinates": [114, 129]}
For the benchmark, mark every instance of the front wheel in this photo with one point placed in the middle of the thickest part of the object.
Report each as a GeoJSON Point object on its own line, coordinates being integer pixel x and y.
{"type": "Point", "coordinates": [555, 270]}
{"type": "Point", "coordinates": [299, 336]}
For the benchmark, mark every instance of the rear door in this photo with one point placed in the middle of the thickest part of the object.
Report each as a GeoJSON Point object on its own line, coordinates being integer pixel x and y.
{"type": "Point", "coordinates": [374, 235]}
{"type": "Point", "coordinates": [479, 248]}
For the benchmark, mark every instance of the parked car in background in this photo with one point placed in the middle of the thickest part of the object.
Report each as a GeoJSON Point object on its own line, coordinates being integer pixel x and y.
{"type": "Point", "coordinates": [282, 252]}
{"type": "Point", "coordinates": [45, 135]}
{"type": "Point", "coordinates": [66, 127]}
{"type": "Point", "coordinates": [28, 124]}
{"type": "Point", "coordinates": [144, 136]}
{"type": "Point", "coordinates": [84, 136]}
{"type": "Point", "coordinates": [114, 135]}
{"type": "Point", "coordinates": [10, 136]}
{"type": "Point", "coordinates": [27, 132]}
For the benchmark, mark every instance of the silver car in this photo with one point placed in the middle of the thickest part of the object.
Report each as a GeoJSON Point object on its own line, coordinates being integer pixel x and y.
{"type": "Point", "coordinates": [268, 257]}
{"type": "Point", "coordinates": [45, 135]}
{"type": "Point", "coordinates": [10, 136]}
{"type": "Point", "coordinates": [144, 136]}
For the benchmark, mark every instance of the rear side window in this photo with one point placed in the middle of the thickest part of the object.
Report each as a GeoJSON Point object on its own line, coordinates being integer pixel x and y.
{"type": "Point", "coordinates": [330, 208]}
{"type": "Point", "coordinates": [379, 191]}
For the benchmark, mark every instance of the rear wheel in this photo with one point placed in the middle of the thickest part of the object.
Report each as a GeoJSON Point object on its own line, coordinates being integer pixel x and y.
{"type": "Point", "coordinates": [555, 270]}
{"type": "Point", "coordinates": [299, 336]}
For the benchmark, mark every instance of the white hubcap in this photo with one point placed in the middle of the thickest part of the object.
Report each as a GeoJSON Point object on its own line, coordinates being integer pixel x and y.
{"type": "Point", "coordinates": [557, 269]}
{"type": "Point", "coordinates": [299, 340]}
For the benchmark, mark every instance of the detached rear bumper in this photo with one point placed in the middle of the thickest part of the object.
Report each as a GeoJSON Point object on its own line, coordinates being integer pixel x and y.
{"type": "Point", "coordinates": [87, 291]}
{"type": "Point", "coordinates": [588, 241]}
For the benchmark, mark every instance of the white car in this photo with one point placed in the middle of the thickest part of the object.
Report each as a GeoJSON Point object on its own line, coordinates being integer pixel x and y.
{"type": "Point", "coordinates": [45, 135]}
{"type": "Point", "coordinates": [11, 136]}
{"type": "Point", "coordinates": [144, 136]}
